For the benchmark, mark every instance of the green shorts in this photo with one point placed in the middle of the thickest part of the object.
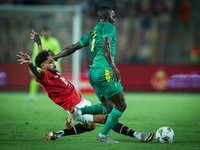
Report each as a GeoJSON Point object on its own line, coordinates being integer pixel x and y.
{"type": "Point", "coordinates": [102, 83]}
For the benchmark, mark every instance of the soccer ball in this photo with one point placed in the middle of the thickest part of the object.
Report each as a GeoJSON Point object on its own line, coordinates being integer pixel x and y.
{"type": "Point", "coordinates": [165, 135]}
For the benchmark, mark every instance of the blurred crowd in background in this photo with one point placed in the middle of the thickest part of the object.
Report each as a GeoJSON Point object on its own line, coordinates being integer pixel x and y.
{"type": "Point", "coordinates": [148, 31]}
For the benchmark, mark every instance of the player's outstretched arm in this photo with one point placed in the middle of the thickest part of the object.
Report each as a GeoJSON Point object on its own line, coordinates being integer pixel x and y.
{"type": "Point", "coordinates": [108, 56]}
{"type": "Point", "coordinates": [25, 59]}
{"type": "Point", "coordinates": [68, 50]}
{"type": "Point", "coordinates": [36, 38]}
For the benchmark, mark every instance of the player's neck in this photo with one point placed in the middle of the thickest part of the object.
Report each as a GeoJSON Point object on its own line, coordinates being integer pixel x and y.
{"type": "Point", "coordinates": [102, 20]}
{"type": "Point", "coordinates": [44, 70]}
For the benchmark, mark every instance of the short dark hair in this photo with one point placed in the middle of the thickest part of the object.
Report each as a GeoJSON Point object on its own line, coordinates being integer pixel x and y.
{"type": "Point", "coordinates": [41, 57]}
{"type": "Point", "coordinates": [103, 9]}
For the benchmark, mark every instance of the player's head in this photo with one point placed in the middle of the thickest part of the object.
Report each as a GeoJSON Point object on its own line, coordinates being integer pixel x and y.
{"type": "Point", "coordinates": [45, 32]}
{"type": "Point", "coordinates": [105, 13]}
{"type": "Point", "coordinates": [45, 62]}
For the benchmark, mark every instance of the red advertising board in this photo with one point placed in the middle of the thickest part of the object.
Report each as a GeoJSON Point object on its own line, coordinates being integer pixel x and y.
{"type": "Point", "coordinates": [15, 77]}
{"type": "Point", "coordinates": [160, 77]}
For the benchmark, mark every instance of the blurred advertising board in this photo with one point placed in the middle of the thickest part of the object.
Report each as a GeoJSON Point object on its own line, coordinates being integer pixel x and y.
{"type": "Point", "coordinates": [180, 78]}
{"type": "Point", "coordinates": [160, 77]}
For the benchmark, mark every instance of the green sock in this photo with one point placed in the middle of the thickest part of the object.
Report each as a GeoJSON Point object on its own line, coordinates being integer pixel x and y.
{"type": "Point", "coordinates": [33, 88]}
{"type": "Point", "coordinates": [112, 120]}
{"type": "Point", "coordinates": [94, 110]}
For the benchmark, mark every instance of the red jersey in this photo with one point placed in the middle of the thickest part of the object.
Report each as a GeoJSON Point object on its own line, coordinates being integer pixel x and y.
{"type": "Point", "coordinates": [59, 90]}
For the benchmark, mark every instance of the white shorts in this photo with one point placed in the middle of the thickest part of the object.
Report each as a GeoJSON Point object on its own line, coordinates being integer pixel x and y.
{"type": "Point", "coordinates": [83, 103]}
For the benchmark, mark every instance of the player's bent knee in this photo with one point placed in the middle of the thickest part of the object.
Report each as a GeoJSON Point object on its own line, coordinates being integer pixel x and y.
{"type": "Point", "coordinates": [121, 107]}
{"type": "Point", "coordinates": [109, 109]}
{"type": "Point", "coordinates": [124, 106]}
{"type": "Point", "coordinates": [90, 126]}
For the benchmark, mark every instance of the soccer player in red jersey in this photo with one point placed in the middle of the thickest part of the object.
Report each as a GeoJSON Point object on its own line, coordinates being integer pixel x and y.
{"type": "Point", "coordinates": [63, 93]}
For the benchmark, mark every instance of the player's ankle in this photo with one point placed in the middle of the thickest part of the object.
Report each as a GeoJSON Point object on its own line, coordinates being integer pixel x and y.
{"type": "Point", "coordinates": [137, 135]}
{"type": "Point", "coordinates": [60, 133]}
{"type": "Point", "coordinates": [102, 136]}
{"type": "Point", "coordinates": [79, 112]}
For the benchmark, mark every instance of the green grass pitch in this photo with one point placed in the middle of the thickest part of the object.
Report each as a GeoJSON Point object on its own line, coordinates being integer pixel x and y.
{"type": "Point", "coordinates": [23, 124]}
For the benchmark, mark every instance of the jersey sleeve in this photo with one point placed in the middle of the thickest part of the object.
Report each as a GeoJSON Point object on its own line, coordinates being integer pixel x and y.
{"type": "Point", "coordinates": [85, 40]}
{"type": "Point", "coordinates": [108, 30]}
{"type": "Point", "coordinates": [46, 76]}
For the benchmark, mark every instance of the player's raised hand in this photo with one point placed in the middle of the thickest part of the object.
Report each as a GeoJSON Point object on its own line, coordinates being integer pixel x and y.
{"type": "Point", "coordinates": [24, 58]}
{"type": "Point", "coordinates": [33, 35]}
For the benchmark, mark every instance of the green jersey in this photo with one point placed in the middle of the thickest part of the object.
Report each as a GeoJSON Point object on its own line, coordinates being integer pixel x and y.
{"type": "Point", "coordinates": [95, 41]}
{"type": "Point", "coordinates": [50, 43]}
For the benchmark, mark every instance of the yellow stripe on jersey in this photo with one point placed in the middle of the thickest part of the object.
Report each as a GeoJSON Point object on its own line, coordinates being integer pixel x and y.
{"type": "Point", "coordinates": [107, 75]}
{"type": "Point", "coordinates": [93, 41]}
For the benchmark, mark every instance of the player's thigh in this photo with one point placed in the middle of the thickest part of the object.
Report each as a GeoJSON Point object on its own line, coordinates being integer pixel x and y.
{"type": "Point", "coordinates": [102, 78]}
{"type": "Point", "coordinates": [91, 76]}
{"type": "Point", "coordinates": [107, 103]}
{"type": "Point", "coordinates": [119, 101]}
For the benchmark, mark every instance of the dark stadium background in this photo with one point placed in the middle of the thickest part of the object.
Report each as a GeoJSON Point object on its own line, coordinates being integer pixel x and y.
{"type": "Point", "coordinates": [153, 50]}
{"type": "Point", "coordinates": [154, 55]}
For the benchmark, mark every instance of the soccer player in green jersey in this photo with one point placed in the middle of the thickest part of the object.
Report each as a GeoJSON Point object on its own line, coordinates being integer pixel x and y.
{"type": "Point", "coordinates": [86, 121]}
{"type": "Point", "coordinates": [103, 75]}
{"type": "Point", "coordinates": [48, 42]}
